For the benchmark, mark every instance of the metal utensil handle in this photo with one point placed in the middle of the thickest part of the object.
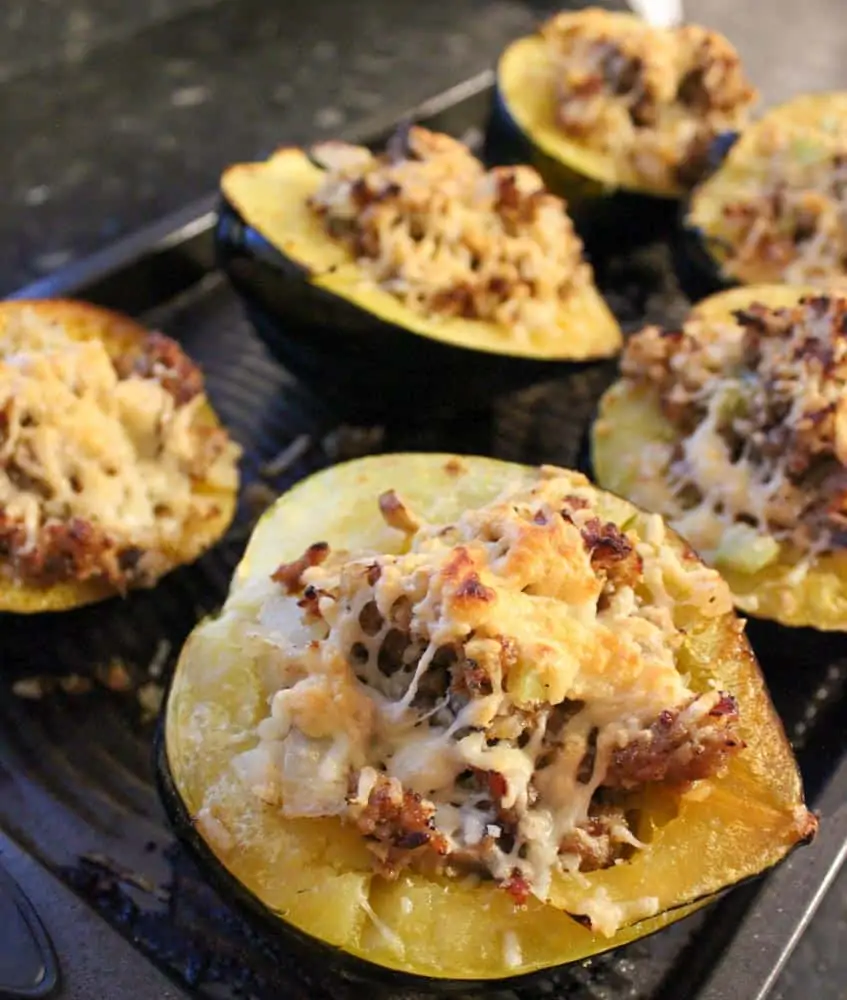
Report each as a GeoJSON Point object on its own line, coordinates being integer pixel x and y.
{"type": "Point", "coordinates": [659, 13]}
{"type": "Point", "coordinates": [29, 966]}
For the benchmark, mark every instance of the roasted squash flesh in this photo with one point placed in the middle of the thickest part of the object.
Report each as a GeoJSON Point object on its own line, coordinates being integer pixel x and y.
{"type": "Point", "coordinates": [630, 419]}
{"type": "Point", "coordinates": [315, 875]}
{"type": "Point", "coordinates": [272, 197]}
{"type": "Point", "coordinates": [121, 336]}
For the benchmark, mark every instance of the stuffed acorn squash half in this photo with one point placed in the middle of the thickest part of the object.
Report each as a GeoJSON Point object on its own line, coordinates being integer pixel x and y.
{"type": "Point", "coordinates": [490, 725]}
{"type": "Point", "coordinates": [413, 279]}
{"type": "Point", "coordinates": [775, 209]}
{"type": "Point", "coordinates": [735, 429]}
{"type": "Point", "coordinates": [113, 468]}
{"type": "Point", "coordinates": [618, 115]}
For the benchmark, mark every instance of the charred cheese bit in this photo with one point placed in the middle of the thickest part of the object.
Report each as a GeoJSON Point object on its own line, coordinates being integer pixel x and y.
{"type": "Point", "coordinates": [652, 98]}
{"type": "Point", "coordinates": [462, 702]}
{"type": "Point", "coordinates": [89, 458]}
{"type": "Point", "coordinates": [430, 225]}
{"type": "Point", "coordinates": [760, 405]}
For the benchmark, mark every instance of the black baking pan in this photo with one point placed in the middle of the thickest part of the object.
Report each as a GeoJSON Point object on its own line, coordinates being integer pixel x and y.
{"type": "Point", "coordinates": [76, 766]}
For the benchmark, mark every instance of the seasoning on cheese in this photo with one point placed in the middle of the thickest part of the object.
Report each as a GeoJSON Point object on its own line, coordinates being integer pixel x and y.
{"type": "Point", "coordinates": [485, 700]}
{"type": "Point", "coordinates": [760, 408]}
{"type": "Point", "coordinates": [100, 458]}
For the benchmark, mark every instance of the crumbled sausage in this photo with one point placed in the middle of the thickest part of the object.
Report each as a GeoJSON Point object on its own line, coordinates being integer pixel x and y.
{"type": "Point", "coordinates": [399, 821]}
{"type": "Point", "coordinates": [676, 750]}
{"type": "Point", "coordinates": [612, 553]}
{"type": "Point", "coordinates": [594, 842]}
{"type": "Point", "coordinates": [162, 358]}
{"type": "Point", "coordinates": [290, 574]}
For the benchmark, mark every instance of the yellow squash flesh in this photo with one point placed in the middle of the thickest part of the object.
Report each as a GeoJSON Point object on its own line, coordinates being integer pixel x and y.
{"type": "Point", "coordinates": [807, 123]}
{"type": "Point", "coordinates": [526, 78]}
{"type": "Point", "coordinates": [272, 198]}
{"type": "Point", "coordinates": [121, 335]}
{"type": "Point", "coordinates": [630, 418]}
{"type": "Point", "coordinates": [316, 874]}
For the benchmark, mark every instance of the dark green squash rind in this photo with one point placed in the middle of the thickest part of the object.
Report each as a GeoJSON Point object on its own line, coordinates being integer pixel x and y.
{"type": "Point", "coordinates": [366, 366]}
{"type": "Point", "coordinates": [697, 270]}
{"type": "Point", "coordinates": [698, 273]}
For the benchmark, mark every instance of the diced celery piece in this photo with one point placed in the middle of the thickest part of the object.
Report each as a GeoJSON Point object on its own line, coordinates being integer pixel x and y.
{"type": "Point", "coordinates": [525, 686]}
{"type": "Point", "coordinates": [745, 549]}
{"type": "Point", "coordinates": [732, 402]}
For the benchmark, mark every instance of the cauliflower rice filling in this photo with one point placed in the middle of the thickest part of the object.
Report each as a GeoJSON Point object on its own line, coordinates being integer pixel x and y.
{"type": "Point", "coordinates": [760, 406]}
{"type": "Point", "coordinates": [428, 223]}
{"type": "Point", "coordinates": [653, 98]}
{"type": "Point", "coordinates": [99, 458]}
{"type": "Point", "coordinates": [487, 700]}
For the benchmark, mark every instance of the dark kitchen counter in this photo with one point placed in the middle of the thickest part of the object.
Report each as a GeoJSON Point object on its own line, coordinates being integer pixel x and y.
{"type": "Point", "coordinates": [114, 114]}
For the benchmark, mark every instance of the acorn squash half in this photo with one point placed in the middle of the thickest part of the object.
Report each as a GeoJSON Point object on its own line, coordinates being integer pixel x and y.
{"type": "Point", "coordinates": [310, 880]}
{"type": "Point", "coordinates": [122, 337]}
{"type": "Point", "coordinates": [355, 342]}
{"type": "Point", "coordinates": [611, 204]}
{"type": "Point", "coordinates": [811, 128]}
{"type": "Point", "coordinates": [629, 419]}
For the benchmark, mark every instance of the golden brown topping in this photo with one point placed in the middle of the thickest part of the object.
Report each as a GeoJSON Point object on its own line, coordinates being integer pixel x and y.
{"type": "Point", "coordinates": [612, 553]}
{"type": "Point", "coordinates": [290, 574]}
{"type": "Point", "coordinates": [652, 97]}
{"type": "Point", "coordinates": [434, 228]}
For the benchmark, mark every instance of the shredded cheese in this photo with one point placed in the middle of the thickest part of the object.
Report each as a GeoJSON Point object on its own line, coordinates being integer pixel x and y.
{"type": "Point", "coordinates": [465, 700]}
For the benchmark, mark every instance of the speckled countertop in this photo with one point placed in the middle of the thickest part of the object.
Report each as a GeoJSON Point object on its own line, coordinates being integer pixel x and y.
{"type": "Point", "coordinates": [113, 114]}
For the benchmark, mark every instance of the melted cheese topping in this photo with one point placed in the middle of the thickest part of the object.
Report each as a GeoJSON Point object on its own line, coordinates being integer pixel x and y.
{"type": "Point", "coordinates": [77, 441]}
{"type": "Point", "coordinates": [470, 695]}
{"type": "Point", "coordinates": [761, 406]}
{"type": "Point", "coordinates": [430, 225]}
{"type": "Point", "coordinates": [653, 98]}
